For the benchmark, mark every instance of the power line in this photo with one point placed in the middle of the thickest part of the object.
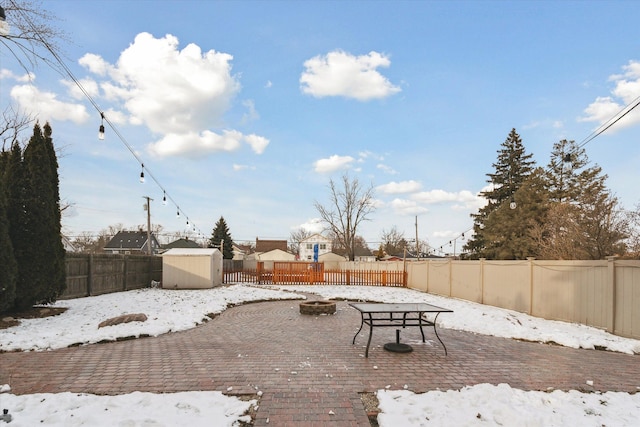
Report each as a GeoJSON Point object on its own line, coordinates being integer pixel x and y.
{"type": "Point", "coordinates": [597, 132]}
{"type": "Point", "coordinates": [95, 105]}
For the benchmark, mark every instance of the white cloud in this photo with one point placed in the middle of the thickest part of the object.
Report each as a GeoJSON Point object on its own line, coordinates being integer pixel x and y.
{"type": "Point", "coordinates": [625, 91]}
{"type": "Point", "coordinates": [258, 143]}
{"type": "Point", "coordinates": [90, 86]}
{"type": "Point", "coordinates": [333, 163]}
{"type": "Point", "coordinates": [446, 234]}
{"type": "Point", "coordinates": [407, 207]}
{"type": "Point", "coordinates": [400, 187]}
{"type": "Point", "coordinates": [251, 113]}
{"type": "Point", "coordinates": [46, 106]}
{"type": "Point", "coordinates": [178, 94]}
{"type": "Point", "coordinates": [194, 145]}
{"type": "Point", "coordinates": [441, 196]}
{"type": "Point", "coordinates": [238, 168]}
{"type": "Point", "coordinates": [8, 74]}
{"type": "Point", "coordinates": [339, 73]}
{"type": "Point", "coordinates": [314, 225]}
{"type": "Point", "coordinates": [116, 117]}
{"type": "Point", "coordinates": [387, 169]}
{"type": "Point", "coordinates": [95, 64]}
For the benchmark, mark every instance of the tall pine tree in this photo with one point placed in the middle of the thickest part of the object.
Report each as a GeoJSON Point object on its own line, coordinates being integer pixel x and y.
{"type": "Point", "coordinates": [509, 230]}
{"type": "Point", "coordinates": [512, 168]}
{"type": "Point", "coordinates": [16, 191]}
{"type": "Point", "coordinates": [221, 234]}
{"type": "Point", "coordinates": [9, 270]}
{"type": "Point", "coordinates": [585, 221]}
{"type": "Point", "coordinates": [34, 218]}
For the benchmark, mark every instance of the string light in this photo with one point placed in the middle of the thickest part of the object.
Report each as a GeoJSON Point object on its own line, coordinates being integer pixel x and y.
{"type": "Point", "coordinates": [101, 128]}
{"type": "Point", "coordinates": [103, 119]}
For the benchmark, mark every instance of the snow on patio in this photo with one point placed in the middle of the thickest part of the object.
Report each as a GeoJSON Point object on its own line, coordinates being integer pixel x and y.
{"type": "Point", "coordinates": [170, 310]}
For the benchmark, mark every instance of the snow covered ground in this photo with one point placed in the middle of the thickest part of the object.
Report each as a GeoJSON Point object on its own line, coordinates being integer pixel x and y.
{"type": "Point", "coordinates": [169, 310]}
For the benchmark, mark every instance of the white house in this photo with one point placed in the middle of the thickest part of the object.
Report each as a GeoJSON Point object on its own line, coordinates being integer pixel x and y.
{"type": "Point", "coordinates": [307, 246]}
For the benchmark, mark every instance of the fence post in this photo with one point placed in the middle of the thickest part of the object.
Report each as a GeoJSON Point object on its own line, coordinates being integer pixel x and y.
{"type": "Point", "coordinates": [530, 259]}
{"type": "Point", "coordinates": [150, 269]}
{"type": "Point", "coordinates": [611, 274]}
{"type": "Point", "coordinates": [125, 272]}
{"type": "Point", "coordinates": [89, 275]}
{"type": "Point", "coordinates": [482, 260]}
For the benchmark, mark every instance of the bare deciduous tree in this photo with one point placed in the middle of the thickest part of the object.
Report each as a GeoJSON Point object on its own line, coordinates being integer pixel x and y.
{"type": "Point", "coordinates": [393, 241]}
{"type": "Point", "coordinates": [349, 205]}
{"type": "Point", "coordinates": [12, 125]}
{"type": "Point", "coordinates": [296, 237]}
{"type": "Point", "coordinates": [32, 38]}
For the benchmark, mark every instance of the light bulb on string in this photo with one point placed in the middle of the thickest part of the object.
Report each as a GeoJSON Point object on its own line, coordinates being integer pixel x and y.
{"type": "Point", "coordinates": [101, 128]}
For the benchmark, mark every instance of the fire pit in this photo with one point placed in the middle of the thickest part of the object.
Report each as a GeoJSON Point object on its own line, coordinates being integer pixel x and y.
{"type": "Point", "coordinates": [317, 307]}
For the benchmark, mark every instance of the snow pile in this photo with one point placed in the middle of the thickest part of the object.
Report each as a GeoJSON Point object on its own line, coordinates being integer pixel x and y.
{"type": "Point", "coordinates": [194, 408]}
{"type": "Point", "coordinates": [166, 310]}
{"type": "Point", "coordinates": [489, 405]}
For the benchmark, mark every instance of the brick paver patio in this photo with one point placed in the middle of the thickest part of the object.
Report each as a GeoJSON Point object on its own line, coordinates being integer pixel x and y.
{"type": "Point", "coordinates": [308, 370]}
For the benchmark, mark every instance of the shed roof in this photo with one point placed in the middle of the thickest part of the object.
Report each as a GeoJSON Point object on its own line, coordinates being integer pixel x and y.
{"type": "Point", "coordinates": [190, 252]}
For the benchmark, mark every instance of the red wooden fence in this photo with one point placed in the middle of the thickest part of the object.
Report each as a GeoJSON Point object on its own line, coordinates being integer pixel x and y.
{"type": "Point", "coordinates": [309, 273]}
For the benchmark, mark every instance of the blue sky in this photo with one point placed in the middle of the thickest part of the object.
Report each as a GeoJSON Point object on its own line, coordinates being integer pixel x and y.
{"type": "Point", "coordinates": [247, 109]}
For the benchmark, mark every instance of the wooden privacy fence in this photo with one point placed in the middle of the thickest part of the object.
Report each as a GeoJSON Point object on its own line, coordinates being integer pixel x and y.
{"type": "Point", "coordinates": [97, 274]}
{"type": "Point", "coordinates": [310, 273]}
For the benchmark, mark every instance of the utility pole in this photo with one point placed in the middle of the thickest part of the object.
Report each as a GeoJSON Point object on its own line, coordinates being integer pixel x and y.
{"type": "Point", "coordinates": [147, 207]}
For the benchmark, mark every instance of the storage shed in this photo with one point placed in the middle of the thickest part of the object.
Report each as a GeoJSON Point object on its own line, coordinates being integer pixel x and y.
{"type": "Point", "coordinates": [191, 268]}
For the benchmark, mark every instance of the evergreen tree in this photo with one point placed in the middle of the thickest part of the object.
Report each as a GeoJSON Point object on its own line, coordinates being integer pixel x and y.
{"type": "Point", "coordinates": [221, 234]}
{"type": "Point", "coordinates": [585, 222]}
{"type": "Point", "coordinates": [16, 192]}
{"type": "Point", "coordinates": [507, 231]}
{"type": "Point", "coordinates": [35, 222]}
{"type": "Point", "coordinates": [9, 270]}
{"type": "Point", "coordinates": [568, 175]}
{"type": "Point", "coordinates": [512, 169]}
{"type": "Point", "coordinates": [58, 272]}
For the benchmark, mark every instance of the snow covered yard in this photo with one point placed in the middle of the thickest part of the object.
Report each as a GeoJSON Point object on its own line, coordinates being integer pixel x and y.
{"type": "Point", "coordinates": [169, 310]}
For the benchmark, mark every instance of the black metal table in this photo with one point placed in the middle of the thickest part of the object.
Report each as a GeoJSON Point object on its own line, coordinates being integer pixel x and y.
{"type": "Point", "coordinates": [397, 315]}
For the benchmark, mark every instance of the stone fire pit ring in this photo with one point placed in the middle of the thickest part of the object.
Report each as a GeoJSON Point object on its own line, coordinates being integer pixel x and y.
{"type": "Point", "coordinates": [317, 307]}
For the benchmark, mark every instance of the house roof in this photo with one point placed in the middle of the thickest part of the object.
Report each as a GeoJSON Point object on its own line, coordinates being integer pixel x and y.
{"type": "Point", "coordinates": [244, 248]}
{"type": "Point", "coordinates": [128, 240]}
{"type": "Point", "coordinates": [316, 237]}
{"type": "Point", "coordinates": [269, 245]}
{"type": "Point", "coordinates": [182, 243]}
{"type": "Point", "coordinates": [330, 256]}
